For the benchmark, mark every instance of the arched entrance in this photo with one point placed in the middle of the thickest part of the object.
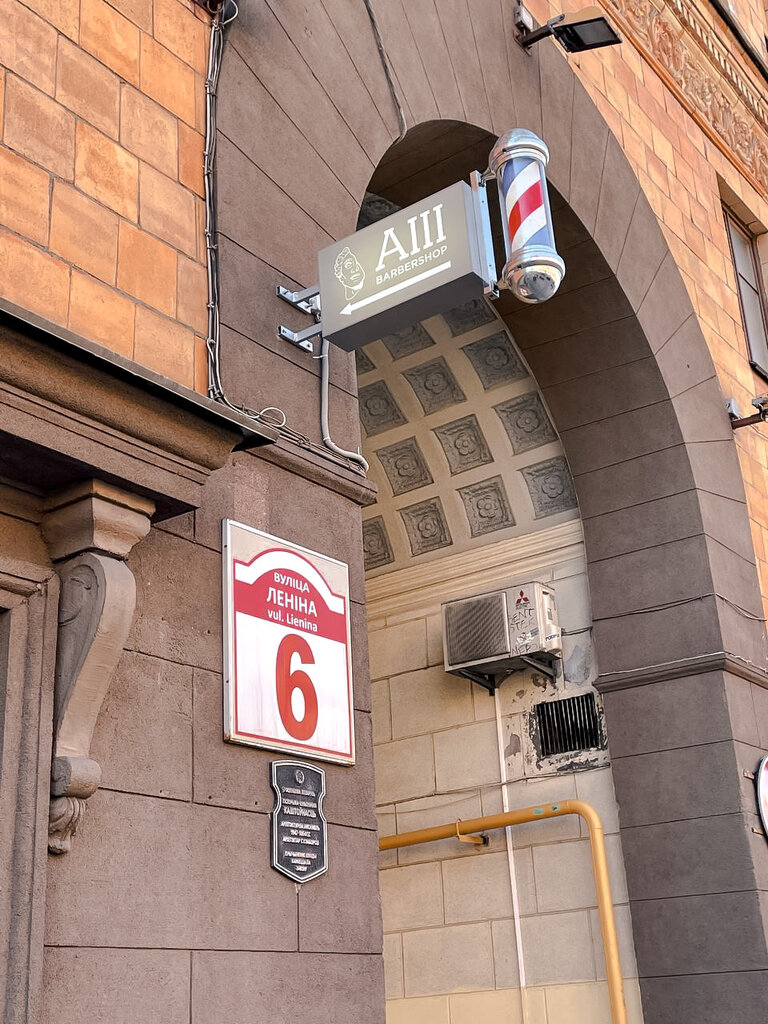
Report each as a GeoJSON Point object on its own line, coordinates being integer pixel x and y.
{"type": "Point", "coordinates": [476, 494]}
{"type": "Point", "coordinates": [622, 367]}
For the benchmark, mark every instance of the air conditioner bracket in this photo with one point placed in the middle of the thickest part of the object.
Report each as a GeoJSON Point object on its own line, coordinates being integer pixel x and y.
{"type": "Point", "coordinates": [490, 683]}
{"type": "Point", "coordinates": [539, 666]}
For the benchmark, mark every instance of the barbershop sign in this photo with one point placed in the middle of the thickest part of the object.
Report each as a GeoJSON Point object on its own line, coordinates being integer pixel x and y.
{"type": "Point", "coordinates": [288, 670]}
{"type": "Point", "coordinates": [412, 265]}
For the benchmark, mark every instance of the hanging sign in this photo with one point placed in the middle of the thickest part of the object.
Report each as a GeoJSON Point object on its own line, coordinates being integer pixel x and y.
{"type": "Point", "coordinates": [288, 668]}
{"type": "Point", "coordinates": [299, 828]}
{"type": "Point", "coordinates": [422, 260]}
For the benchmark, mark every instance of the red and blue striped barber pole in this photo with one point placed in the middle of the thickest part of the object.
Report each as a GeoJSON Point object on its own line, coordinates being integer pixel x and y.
{"type": "Point", "coordinates": [534, 270]}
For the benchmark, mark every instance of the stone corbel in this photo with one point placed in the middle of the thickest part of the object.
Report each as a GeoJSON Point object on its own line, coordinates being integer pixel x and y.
{"type": "Point", "coordinates": [90, 529]}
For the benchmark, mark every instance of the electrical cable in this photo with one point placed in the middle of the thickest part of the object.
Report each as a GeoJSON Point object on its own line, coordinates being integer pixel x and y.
{"type": "Point", "coordinates": [401, 125]}
{"type": "Point", "coordinates": [680, 603]}
{"type": "Point", "coordinates": [510, 849]}
{"type": "Point", "coordinates": [492, 787]}
{"type": "Point", "coordinates": [270, 415]}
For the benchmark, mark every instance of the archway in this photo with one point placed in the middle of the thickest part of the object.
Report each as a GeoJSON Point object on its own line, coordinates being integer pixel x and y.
{"type": "Point", "coordinates": [475, 494]}
{"type": "Point", "coordinates": [625, 372]}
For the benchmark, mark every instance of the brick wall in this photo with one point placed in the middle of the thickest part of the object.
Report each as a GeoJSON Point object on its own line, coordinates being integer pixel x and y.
{"type": "Point", "coordinates": [101, 148]}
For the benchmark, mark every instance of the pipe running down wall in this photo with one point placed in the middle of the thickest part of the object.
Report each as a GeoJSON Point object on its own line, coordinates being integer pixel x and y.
{"type": "Point", "coordinates": [599, 867]}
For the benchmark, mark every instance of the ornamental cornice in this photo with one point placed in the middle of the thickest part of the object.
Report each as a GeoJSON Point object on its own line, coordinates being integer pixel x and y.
{"type": "Point", "coordinates": [697, 65]}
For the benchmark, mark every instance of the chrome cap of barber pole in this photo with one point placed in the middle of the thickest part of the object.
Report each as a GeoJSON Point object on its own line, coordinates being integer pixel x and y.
{"type": "Point", "coordinates": [534, 269]}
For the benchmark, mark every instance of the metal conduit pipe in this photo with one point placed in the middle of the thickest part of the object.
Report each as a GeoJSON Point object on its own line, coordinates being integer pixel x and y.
{"type": "Point", "coordinates": [599, 867]}
{"type": "Point", "coordinates": [325, 371]}
{"type": "Point", "coordinates": [270, 415]}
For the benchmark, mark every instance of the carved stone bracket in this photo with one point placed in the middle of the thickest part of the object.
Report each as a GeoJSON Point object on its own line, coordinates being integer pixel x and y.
{"type": "Point", "coordinates": [89, 530]}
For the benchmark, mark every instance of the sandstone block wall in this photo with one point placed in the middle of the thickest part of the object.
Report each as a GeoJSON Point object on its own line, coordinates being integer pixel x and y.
{"type": "Point", "coordinates": [101, 151]}
{"type": "Point", "coordinates": [449, 938]}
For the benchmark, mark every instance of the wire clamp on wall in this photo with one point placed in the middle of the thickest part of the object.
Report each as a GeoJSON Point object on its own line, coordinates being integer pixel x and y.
{"type": "Point", "coordinates": [481, 840]}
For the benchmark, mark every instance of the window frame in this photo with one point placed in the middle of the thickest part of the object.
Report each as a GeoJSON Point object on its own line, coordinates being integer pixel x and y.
{"type": "Point", "coordinates": [757, 360]}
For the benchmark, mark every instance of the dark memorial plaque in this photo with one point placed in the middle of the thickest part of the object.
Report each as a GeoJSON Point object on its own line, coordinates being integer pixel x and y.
{"type": "Point", "coordinates": [299, 829]}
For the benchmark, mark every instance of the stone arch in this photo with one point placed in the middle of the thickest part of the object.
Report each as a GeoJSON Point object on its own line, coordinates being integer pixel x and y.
{"type": "Point", "coordinates": [467, 79]}
{"type": "Point", "coordinates": [625, 369]}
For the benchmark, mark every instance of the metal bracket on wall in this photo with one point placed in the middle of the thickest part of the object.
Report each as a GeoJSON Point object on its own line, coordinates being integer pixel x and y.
{"type": "Point", "coordinates": [737, 420]}
{"type": "Point", "coordinates": [490, 682]}
{"type": "Point", "coordinates": [308, 301]}
{"type": "Point", "coordinates": [301, 338]}
{"type": "Point", "coordinates": [481, 840]}
{"type": "Point", "coordinates": [540, 666]}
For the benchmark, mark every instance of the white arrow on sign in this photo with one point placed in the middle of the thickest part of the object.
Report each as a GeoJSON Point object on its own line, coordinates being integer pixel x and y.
{"type": "Point", "coordinates": [352, 306]}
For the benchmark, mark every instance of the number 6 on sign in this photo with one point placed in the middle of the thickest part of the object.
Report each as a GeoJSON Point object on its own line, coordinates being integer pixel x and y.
{"type": "Point", "coordinates": [288, 677]}
{"type": "Point", "coordinates": [288, 682]}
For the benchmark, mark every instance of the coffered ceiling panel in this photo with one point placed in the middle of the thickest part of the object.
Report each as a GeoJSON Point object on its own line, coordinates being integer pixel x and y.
{"type": "Point", "coordinates": [459, 441]}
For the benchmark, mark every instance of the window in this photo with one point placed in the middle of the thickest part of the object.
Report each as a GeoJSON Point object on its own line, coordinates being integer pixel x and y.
{"type": "Point", "coordinates": [751, 295]}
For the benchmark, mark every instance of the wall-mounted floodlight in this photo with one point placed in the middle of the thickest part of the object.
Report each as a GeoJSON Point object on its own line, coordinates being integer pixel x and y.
{"type": "Point", "coordinates": [587, 29]}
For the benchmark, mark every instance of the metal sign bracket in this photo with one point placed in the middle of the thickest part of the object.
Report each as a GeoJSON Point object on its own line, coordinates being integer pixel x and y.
{"type": "Point", "coordinates": [477, 182]}
{"type": "Point", "coordinates": [308, 301]}
{"type": "Point", "coordinates": [301, 338]}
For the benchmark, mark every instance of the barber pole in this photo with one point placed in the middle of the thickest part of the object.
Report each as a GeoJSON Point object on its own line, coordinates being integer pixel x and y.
{"type": "Point", "coordinates": [534, 270]}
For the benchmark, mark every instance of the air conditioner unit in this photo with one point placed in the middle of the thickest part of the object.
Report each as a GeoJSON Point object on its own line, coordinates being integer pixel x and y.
{"type": "Point", "coordinates": [489, 636]}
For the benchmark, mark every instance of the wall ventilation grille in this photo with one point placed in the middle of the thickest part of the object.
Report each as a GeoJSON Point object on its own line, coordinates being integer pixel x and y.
{"type": "Point", "coordinates": [569, 725]}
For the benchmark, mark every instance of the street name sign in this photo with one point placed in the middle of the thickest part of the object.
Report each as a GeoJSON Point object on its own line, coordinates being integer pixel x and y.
{"type": "Point", "coordinates": [416, 263]}
{"type": "Point", "coordinates": [287, 657]}
{"type": "Point", "coordinates": [299, 828]}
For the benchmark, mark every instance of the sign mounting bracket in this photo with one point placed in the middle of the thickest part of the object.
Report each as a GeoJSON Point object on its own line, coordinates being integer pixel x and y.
{"type": "Point", "coordinates": [301, 338]}
{"type": "Point", "coordinates": [477, 183]}
{"type": "Point", "coordinates": [308, 301]}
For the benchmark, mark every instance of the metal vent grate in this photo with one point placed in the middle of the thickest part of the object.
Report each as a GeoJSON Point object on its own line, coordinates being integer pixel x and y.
{"type": "Point", "coordinates": [569, 725]}
{"type": "Point", "coordinates": [476, 629]}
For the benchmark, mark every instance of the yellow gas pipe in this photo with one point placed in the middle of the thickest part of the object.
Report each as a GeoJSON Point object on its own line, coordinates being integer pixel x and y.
{"type": "Point", "coordinates": [599, 867]}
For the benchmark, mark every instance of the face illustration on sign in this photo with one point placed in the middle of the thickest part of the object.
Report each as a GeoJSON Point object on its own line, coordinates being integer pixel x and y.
{"type": "Point", "coordinates": [421, 244]}
{"type": "Point", "coordinates": [289, 684]}
{"type": "Point", "coordinates": [349, 272]}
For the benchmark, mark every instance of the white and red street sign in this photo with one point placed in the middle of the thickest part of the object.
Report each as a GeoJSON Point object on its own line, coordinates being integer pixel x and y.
{"type": "Point", "coordinates": [288, 666]}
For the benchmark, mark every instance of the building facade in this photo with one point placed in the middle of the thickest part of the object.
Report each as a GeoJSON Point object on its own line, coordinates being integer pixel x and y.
{"type": "Point", "coordinates": [163, 173]}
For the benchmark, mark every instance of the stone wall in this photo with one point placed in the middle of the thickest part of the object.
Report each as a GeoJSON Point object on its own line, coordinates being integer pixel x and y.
{"type": "Point", "coordinates": [450, 947]}
{"type": "Point", "coordinates": [167, 907]}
